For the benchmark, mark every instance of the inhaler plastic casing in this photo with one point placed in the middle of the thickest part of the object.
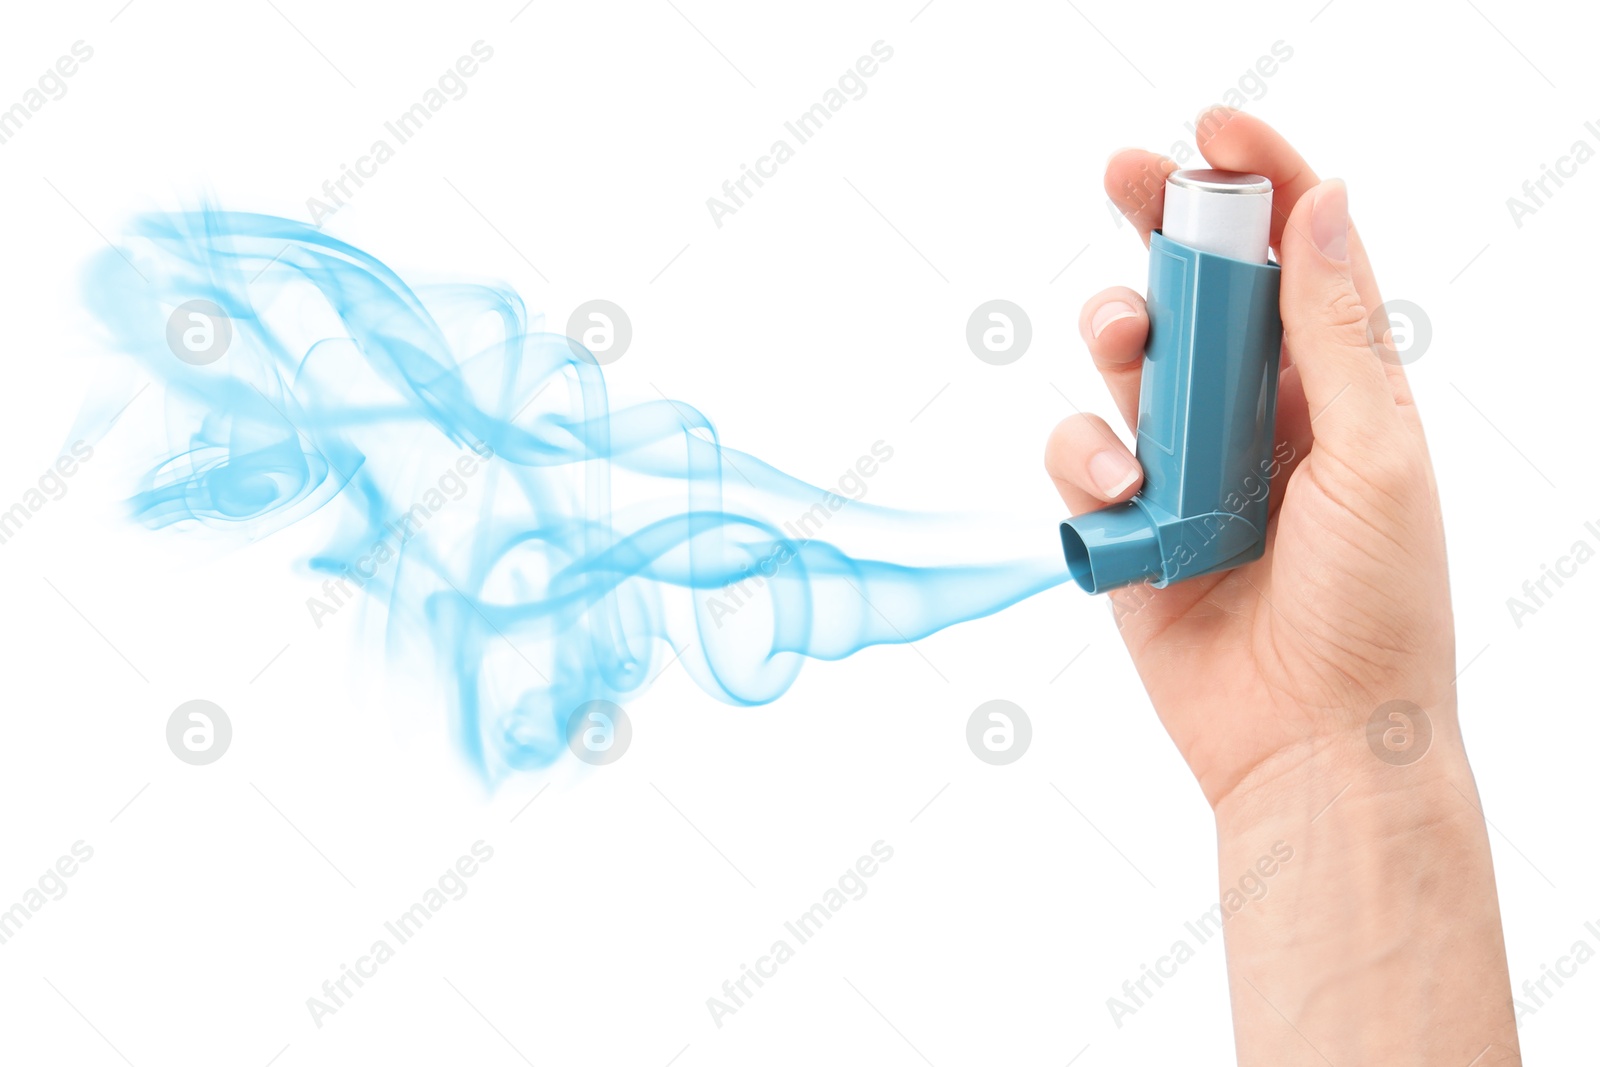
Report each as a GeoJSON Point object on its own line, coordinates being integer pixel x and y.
{"type": "Point", "coordinates": [1207, 400]}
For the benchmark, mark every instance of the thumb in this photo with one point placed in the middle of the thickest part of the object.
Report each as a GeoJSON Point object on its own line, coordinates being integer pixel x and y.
{"type": "Point", "coordinates": [1325, 322]}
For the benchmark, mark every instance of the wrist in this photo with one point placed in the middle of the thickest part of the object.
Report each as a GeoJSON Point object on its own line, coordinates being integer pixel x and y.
{"type": "Point", "coordinates": [1408, 756]}
{"type": "Point", "coordinates": [1380, 906]}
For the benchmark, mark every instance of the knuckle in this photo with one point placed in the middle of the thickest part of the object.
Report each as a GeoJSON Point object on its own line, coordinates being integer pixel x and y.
{"type": "Point", "coordinates": [1345, 309]}
{"type": "Point", "coordinates": [1341, 318]}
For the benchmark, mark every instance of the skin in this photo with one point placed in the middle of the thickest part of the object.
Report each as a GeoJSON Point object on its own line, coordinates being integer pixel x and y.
{"type": "Point", "coordinates": [1380, 940]}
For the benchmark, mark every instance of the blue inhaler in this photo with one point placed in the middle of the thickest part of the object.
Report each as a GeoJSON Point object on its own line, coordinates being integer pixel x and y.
{"type": "Point", "coordinates": [1208, 396]}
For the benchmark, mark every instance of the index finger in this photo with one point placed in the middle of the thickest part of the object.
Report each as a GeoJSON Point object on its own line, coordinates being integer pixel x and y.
{"type": "Point", "coordinates": [1234, 140]}
{"type": "Point", "coordinates": [1136, 182]}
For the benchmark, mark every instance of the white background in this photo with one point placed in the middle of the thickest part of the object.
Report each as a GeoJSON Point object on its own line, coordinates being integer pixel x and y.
{"type": "Point", "coordinates": [1021, 897]}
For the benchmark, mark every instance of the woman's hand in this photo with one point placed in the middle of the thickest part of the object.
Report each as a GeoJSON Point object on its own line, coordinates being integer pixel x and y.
{"type": "Point", "coordinates": [1349, 608]}
{"type": "Point", "coordinates": [1378, 940]}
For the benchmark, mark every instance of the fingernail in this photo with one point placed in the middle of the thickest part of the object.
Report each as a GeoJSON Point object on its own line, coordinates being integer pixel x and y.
{"type": "Point", "coordinates": [1112, 472]}
{"type": "Point", "coordinates": [1109, 312]}
{"type": "Point", "coordinates": [1330, 220]}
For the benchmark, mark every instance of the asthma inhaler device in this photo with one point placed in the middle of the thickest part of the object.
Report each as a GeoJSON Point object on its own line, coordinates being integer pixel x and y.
{"type": "Point", "coordinates": [1208, 396]}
